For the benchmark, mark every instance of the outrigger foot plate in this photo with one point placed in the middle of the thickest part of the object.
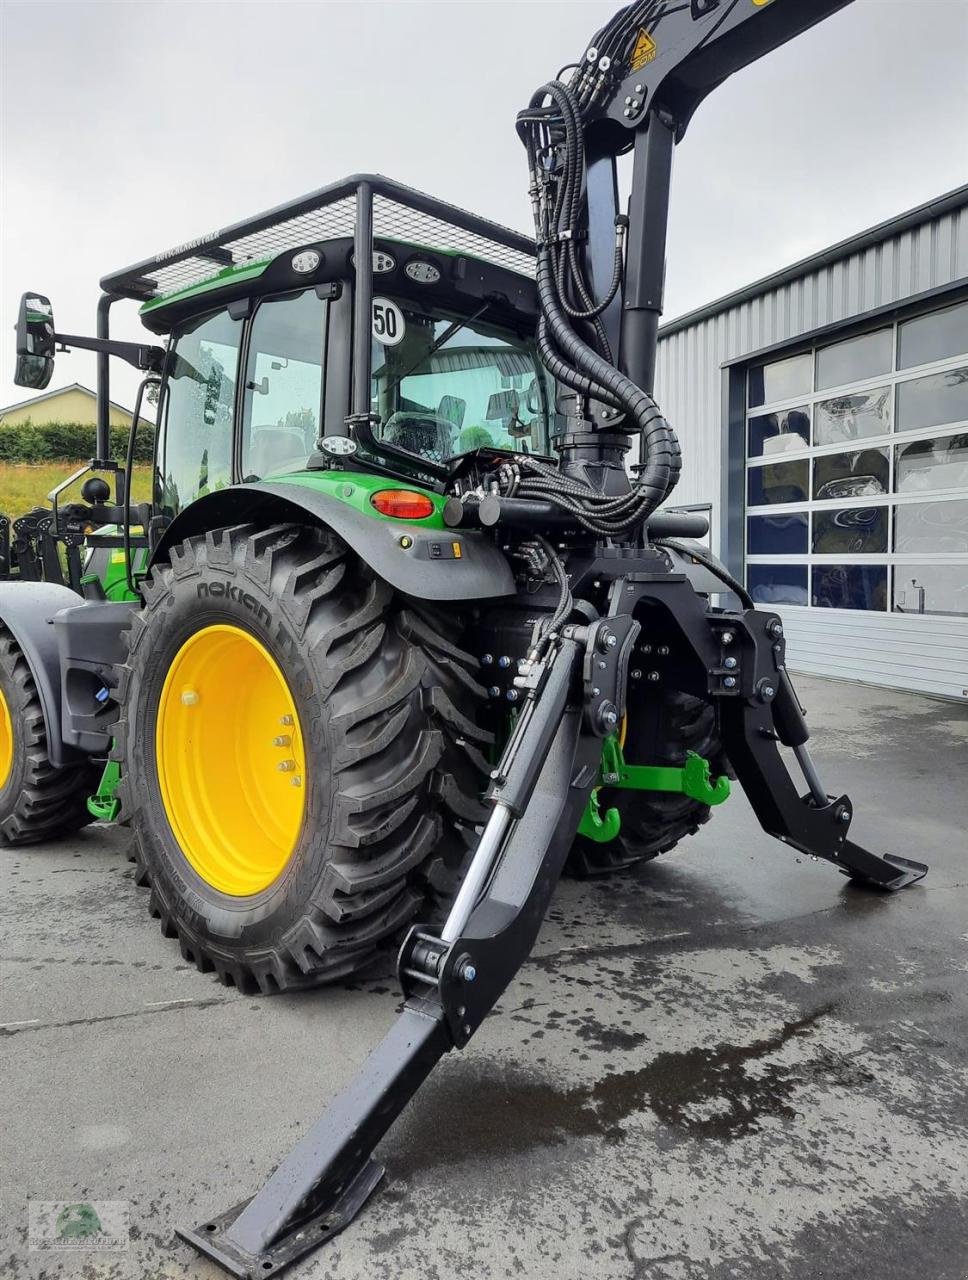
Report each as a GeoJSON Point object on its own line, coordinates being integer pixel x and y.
{"type": "Point", "coordinates": [908, 871]}
{"type": "Point", "coordinates": [213, 1237]}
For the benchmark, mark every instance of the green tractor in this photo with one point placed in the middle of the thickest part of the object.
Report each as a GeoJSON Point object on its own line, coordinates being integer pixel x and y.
{"type": "Point", "coordinates": [293, 671]}
{"type": "Point", "coordinates": [400, 633]}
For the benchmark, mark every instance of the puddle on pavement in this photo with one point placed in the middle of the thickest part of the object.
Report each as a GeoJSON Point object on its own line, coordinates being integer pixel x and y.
{"type": "Point", "coordinates": [487, 1112]}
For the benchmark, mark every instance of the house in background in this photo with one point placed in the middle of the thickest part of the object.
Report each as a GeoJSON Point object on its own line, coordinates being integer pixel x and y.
{"type": "Point", "coordinates": [69, 404]}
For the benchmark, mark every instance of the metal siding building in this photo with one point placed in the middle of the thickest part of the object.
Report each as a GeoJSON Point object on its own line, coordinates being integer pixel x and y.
{"type": "Point", "coordinates": [858, 533]}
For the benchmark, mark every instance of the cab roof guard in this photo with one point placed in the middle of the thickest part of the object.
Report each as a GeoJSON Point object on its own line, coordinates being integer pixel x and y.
{"type": "Point", "coordinates": [398, 212]}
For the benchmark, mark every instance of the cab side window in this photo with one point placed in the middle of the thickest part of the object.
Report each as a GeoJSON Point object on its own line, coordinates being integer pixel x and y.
{"type": "Point", "coordinates": [281, 416]}
{"type": "Point", "coordinates": [195, 444]}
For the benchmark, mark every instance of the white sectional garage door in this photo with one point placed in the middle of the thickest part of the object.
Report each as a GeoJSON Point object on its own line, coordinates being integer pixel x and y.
{"type": "Point", "coordinates": [857, 502]}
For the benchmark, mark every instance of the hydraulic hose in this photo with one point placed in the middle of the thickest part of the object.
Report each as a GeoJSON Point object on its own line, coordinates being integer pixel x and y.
{"type": "Point", "coordinates": [553, 137]}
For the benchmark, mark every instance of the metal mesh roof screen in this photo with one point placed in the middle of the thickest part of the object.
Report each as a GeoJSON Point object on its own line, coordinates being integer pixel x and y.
{"type": "Point", "coordinates": [399, 213]}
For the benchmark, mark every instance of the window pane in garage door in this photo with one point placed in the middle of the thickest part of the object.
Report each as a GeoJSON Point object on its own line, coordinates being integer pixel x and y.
{"type": "Point", "coordinates": [931, 588]}
{"type": "Point", "coordinates": [779, 482]}
{"type": "Point", "coordinates": [772, 433]}
{"type": "Point", "coordinates": [780, 380]}
{"type": "Point", "coordinates": [932, 464]}
{"type": "Point", "coordinates": [851, 531]}
{"type": "Point", "coordinates": [932, 527]}
{"type": "Point", "coordinates": [933, 401]}
{"type": "Point", "coordinates": [777, 583]}
{"type": "Point", "coordinates": [855, 360]}
{"type": "Point", "coordinates": [850, 586]}
{"type": "Point", "coordinates": [777, 535]}
{"type": "Point", "coordinates": [861, 473]}
{"type": "Point", "coordinates": [937, 336]}
{"type": "Point", "coordinates": [847, 418]}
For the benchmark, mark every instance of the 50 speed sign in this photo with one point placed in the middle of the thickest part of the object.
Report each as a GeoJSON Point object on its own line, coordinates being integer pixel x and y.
{"type": "Point", "coordinates": [388, 324]}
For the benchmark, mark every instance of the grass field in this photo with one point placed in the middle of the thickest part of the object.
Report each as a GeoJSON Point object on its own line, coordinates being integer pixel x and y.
{"type": "Point", "coordinates": [26, 486]}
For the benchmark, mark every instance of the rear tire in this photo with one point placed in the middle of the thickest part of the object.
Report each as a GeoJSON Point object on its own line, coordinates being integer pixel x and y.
{"type": "Point", "coordinates": [393, 770]}
{"type": "Point", "coordinates": [654, 822]}
{"type": "Point", "coordinates": [37, 800]}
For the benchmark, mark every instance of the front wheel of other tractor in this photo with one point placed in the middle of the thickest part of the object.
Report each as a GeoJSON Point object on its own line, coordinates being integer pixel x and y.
{"type": "Point", "coordinates": [37, 800]}
{"type": "Point", "coordinates": [297, 776]}
{"type": "Point", "coordinates": [653, 822]}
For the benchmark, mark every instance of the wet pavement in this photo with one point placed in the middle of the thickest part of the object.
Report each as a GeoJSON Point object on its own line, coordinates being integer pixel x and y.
{"type": "Point", "coordinates": [726, 1064]}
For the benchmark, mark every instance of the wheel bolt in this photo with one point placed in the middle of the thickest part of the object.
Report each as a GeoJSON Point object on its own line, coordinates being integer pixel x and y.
{"type": "Point", "coordinates": [286, 766]}
{"type": "Point", "coordinates": [189, 698]}
{"type": "Point", "coordinates": [486, 659]}
{"type": "Point", "coordinates": [286, 720]}
{"type": "Point", "coordinates": [283, 740]}
{"type": "Point", "coordinates": [297, 781]}
{"type": "Point", "coordinates": [512, 695]}
{"type": "Point", "coordinates": [503, 663]}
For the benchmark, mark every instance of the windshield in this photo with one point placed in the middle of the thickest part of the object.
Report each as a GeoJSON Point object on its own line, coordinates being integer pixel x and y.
{"type": "Point", "coordinates": [443, 384]}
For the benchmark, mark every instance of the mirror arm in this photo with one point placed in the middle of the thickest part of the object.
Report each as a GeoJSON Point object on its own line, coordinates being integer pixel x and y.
{"type": "Point", "coordinates": [147, 358]}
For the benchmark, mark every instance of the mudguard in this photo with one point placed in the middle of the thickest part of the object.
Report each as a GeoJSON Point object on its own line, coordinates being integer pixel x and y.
{"type": "Point", "coordinates": [27, 610]}
{"type": "Point", "coordinates": [425, 565]}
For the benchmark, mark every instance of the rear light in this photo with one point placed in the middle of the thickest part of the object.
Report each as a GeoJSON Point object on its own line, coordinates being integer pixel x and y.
{"type": "Point", "coordinates": [402, 504]}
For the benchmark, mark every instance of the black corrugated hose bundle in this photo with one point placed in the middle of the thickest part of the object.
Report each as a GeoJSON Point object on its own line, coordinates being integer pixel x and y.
{"type": "Point", "coordinates": [553, 138]}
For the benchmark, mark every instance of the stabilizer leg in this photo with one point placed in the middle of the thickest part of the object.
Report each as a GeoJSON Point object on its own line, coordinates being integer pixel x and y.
{"type": "Point", "coordinates": [452, 982]}
{"type": "Point", "coordinates": [815, 823]}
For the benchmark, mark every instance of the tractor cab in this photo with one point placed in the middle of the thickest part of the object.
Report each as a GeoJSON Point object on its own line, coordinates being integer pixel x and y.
{"type": "Point", "coordinates": [260, 369]}
{"type": "Point", "coordinates": [274, 344]}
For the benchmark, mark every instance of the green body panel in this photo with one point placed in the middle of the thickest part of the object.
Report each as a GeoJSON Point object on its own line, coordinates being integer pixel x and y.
{"type": "Point", "coordinates": [231, 275]}
{"type": "Point", "coordinates": [693, 780]}
{"type": "Point", "coordinates": [355, 488]}
{"type": "Point", "coordinates": [113, 577]}
{"type": "Point", "coordinates": [104, 806]}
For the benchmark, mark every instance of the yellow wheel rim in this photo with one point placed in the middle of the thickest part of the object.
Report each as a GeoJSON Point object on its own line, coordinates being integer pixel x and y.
{"type": "Point", "coordinates": [230, 760]}
{"type": "Point", "coordinates": [6, 741]}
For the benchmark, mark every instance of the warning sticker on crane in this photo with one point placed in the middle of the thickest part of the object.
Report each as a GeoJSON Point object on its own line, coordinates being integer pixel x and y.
{"type": "Point", "coordinates": [644, 51]}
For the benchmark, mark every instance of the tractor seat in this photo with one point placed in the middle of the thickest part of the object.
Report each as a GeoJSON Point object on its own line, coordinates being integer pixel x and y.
{"type": "Point", "coordinates": [426, 434]}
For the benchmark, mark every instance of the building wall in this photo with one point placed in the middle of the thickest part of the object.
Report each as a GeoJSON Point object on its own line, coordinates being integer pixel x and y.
{"type": "Point", "coordinates": [70, 405]}
{"type": "Point", "coordinates": [693, 387]}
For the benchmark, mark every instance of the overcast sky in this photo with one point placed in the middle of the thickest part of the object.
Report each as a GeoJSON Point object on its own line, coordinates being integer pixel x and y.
{"type": "Point", "coordinates": [130, 127]}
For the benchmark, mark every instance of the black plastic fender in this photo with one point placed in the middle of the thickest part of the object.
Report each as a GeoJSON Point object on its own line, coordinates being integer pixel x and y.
{"type": "Point", "coordinates": [27, 610]}
{"type": "Point", "coordinates": [479, 572]}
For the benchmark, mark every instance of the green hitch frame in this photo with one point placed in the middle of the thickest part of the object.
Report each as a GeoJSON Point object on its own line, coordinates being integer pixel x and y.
{"type": "Point", "coordinates": [693, 779]}
{"type": "Point", "coordinates": [104, 806]}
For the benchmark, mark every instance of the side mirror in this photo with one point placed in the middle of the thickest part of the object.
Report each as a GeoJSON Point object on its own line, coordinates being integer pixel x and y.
{"type": "Point", "coordinates": [35, 342]}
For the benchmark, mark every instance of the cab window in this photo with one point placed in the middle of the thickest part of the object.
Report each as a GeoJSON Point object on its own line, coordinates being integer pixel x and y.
{"type": "Point", "coordinates": [281, 407]}
{"type": "Point", "coordinates": [195, 443]}
{"type": "Point", "coordinates": [443, 384]}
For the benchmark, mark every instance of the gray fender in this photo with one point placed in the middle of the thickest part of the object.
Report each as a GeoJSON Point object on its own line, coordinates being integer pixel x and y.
{"type": "Point", "coordinates": [427, 569]}
{"type": "Point", "coordinates": [27, 610]}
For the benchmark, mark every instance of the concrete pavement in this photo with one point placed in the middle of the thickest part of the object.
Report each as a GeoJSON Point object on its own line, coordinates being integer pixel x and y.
{"type": "Point", "coordinates": [728, 1063]}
